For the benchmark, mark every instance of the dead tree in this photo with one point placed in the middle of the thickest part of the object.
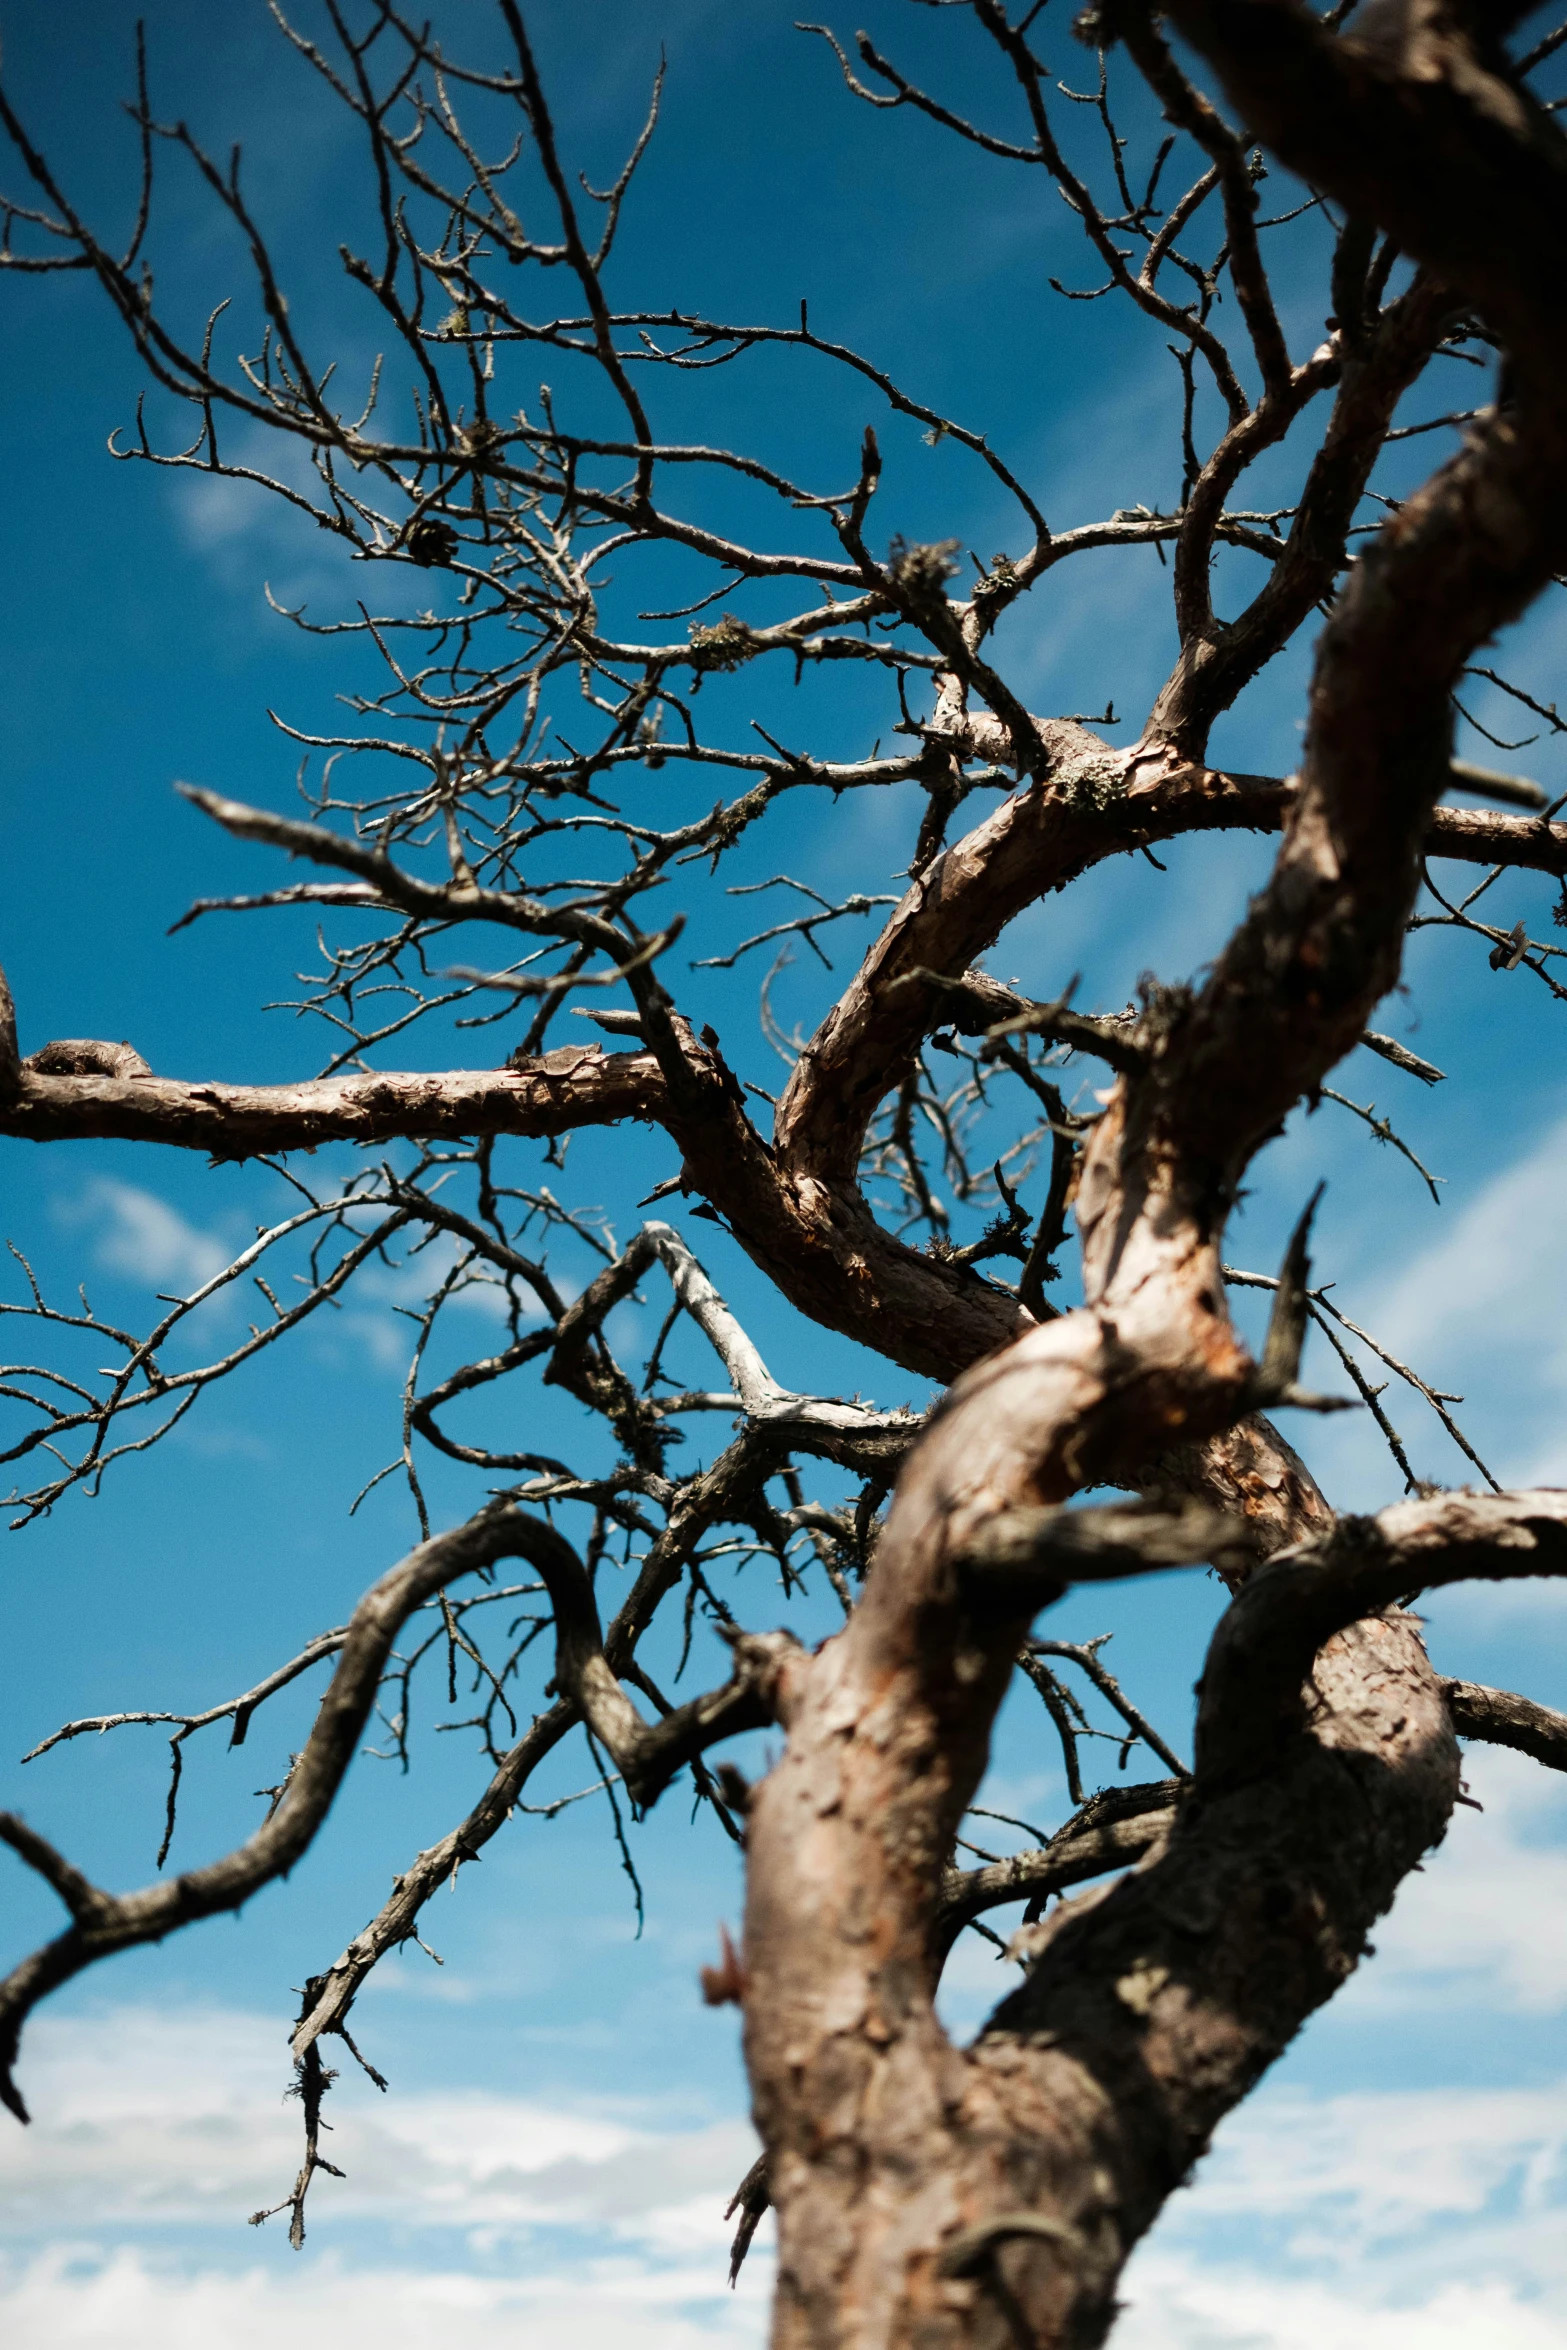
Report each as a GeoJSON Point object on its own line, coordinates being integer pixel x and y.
{"type": "Point", "coordinates": [532, 730]}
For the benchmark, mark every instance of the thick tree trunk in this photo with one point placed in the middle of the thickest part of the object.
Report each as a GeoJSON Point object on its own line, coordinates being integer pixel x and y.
{"type": "Point", "coordinates": [932, 2198]}
{"type": "Point", "coordinates": [937, 2198]}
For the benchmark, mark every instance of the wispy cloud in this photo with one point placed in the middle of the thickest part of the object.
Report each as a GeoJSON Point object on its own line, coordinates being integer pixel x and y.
{"type": "Point", "coordinates": [83, 2299]}
{"type": "Point", "coordinates": [239, 528]}
{"type": "Point", "coordinates": [1182, 2304]}
{"type": "Point", "coordinates": [1424, 2220]}
{"type": "Point", "coordinates": [144, 2120]}
{"type": "Point", "coordinates": [1481, 1309]}
{"type": "Point", "coordinates": [138, 1235]}
{"type": "Point", "coordinates": [77, 2297]}
{"type": "Point", "coordinates": [1477, 1312]}
{"type": "Point", "coordinates": [1421, 2219]}
{"type": "Point", "coordinates": [375, 1322]}
{"type": "Point", "coordinates": [1413, 2219]}
{"type": "Point", "coordinates": [155, 2137]}
{"type": "Point", "coordinates": [1479, 1928]}
{"type": "Point", "coordinates": [1365, 2170]}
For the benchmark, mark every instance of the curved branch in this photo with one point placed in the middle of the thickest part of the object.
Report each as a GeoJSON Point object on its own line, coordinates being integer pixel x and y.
{"type": "Point", "coordinates": [106, 1922]}
{"type": "Point", "coordinates": [1408, 125]}
{"type": "Point", "coordinates": [1499, 1718]}
{"type": "Point", "coordinates": [861, 1048]}
{"type": "Point", "coordinates": [1112, 1830]}
{"type": "Point", "coordinates": [1088, 803]}
{"type": "Point", "coordinates": [648, 1756]}
{"type": "Point", "coordinates": [1254, 1696]}
{"type": "Point", "coordinates": [1150, 2015]}
{"type": "Point", "coordinates": [1094, 802]}
{"type": "Point", "coordinates": [1218, 659]}
{"type": "Point", "coordinates": [330, 1995]}
{"type": "Point", "coordinates": [1321, 944]}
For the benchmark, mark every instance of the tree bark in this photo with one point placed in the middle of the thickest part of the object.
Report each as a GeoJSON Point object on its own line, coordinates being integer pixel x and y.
{"type": "Point", "coordinates": [935, 2197]}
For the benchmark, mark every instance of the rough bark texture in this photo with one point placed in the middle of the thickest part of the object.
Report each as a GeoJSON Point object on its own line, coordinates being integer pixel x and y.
{"type": "Point", "coordinates": [577, 1086]}
{"type": "Point", "coordinates": [926, 2196]}
{"type": "Point", "coordinates": [932, 2198]}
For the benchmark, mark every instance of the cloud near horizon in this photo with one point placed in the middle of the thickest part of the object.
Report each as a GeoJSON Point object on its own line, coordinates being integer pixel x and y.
{"type": "Point", "coordinates": [1480, 1310]}
{"type": "Point", "coordinates": [1364, 2218]}
{"type": "Point", "coordinates": [155, 2135]}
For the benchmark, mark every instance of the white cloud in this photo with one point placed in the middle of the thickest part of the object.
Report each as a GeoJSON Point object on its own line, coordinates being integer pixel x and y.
{"type": "Point", "coordinates": [1368, 2169]}
{"type": "Point", "coordinates": [1410, 2221]}
{"type": "Point", "coordinates": [1369, 2221]}
{"type": "Point", "coordinates": [209, 1441]}
{"type": "Point", "coordinates": [1480, 1924]}
{"type": "Point", "coordinates": [216, 510]}
{"type": "Point", "coordinates": [384, 1294]}
{"type": "Point", "coordinates": [155, 2136]}
{"type": "Point", "coordinates": [1426, 2219]}
{"type": "Point", "coordinates": [78, 2298]}
{"type": "Point", "coordinates": [239, 529]}
{"type": "Point", "coordinates": [1480, 1311]}
{"type": "Point", "coordinates": [411, 1279]}
{"type": "Point", "coordinates": [141, 1236]}
{"type": "Point", "coordinates": [1174, 2304]}
{"type": "Point", "coordinates": [141, 2119]}
{"type": "Point", "coordinates": [245, 533]}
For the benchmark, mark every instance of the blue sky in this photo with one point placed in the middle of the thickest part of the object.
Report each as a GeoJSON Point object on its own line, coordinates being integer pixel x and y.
{"type": "Point", "coordinates": [566, 2120]}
